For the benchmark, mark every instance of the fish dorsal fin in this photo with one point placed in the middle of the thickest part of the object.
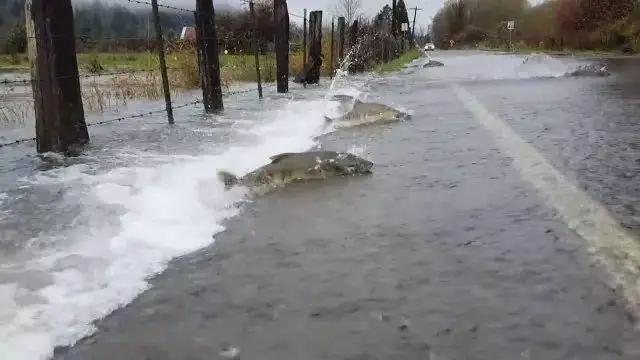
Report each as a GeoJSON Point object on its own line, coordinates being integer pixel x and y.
{"type": "Point", "coordinates": [357, 104]}
{"type": "Point", "coordinates": [277, 158]}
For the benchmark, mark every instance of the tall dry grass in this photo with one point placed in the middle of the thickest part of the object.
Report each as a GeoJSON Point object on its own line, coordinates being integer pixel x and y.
{"type": "Point", "coordinates": [14, 114]}
{"type": "Point", "coordinates": [104, 94]}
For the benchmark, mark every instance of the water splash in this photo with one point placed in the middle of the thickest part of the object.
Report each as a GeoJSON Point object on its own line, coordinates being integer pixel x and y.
{"type": "Point", "coordinates": [464, 66]}
{"type": "Point", "coordinates": [342, 83]}
{"type": "Point", "coordinates": [428, 56]}
{"type": "Point", "coordinates": [358, 149]}
{"type": "Point", "coordinates": [341, 72]}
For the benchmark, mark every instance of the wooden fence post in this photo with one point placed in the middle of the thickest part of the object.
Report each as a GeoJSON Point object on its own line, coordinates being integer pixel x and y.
{"type": "Point", "coordinates": [254, 46]}
{"type": "Point", "coordinates": [386, 53]}
{"type": "Point", "coordinates": [341, 25]}
{"type": "Point", "coordinates": [304, 39]}
{"type": "Point", "coordinates": [163, 63]}
{"type": "Point", "coordinates": [331, 64]}
{"type": "Point", "coordinates": [60, 123]}
{"type": "Point", "coordinates": [208, 60]}
{"type": "Point", "coordinates": [315, 47]}
{"type": "Point", "coordinates": [281, 16]}
{"type": "Point", "coordinates": [353, 34]}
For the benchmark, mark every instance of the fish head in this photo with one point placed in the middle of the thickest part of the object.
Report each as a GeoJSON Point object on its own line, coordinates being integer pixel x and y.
{"type": "Point", "coordinates": [394, 115]}
{"type": "Point", "coordinates": [351, 164]}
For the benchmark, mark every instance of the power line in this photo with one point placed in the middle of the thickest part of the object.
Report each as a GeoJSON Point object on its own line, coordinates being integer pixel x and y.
{"type": "Point", "coordinates": [415, 14]}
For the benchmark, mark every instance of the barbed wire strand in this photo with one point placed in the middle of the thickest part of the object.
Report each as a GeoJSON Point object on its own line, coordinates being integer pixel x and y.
{"type": "Point", "coordinates": [16, 142]}
{"type": "Point", "coordinates": [140, 2]}
{"type": "Point", "coordinates": [143, 114]}
{"type": "Point", "coordinates": [134, 116]}
{"type": "Point", "coordinates": [90, 75]}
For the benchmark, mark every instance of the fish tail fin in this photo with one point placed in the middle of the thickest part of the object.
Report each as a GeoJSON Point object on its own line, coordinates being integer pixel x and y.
{"type": "Point", "coordinates": [228, 179]}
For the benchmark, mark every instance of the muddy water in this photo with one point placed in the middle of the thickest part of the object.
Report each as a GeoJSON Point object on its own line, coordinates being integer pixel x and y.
{"type": "Point", "coordinates": [445, 252]}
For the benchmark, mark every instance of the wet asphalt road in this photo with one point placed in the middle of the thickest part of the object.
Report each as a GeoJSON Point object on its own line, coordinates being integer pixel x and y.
{"type": "Point", "coordinates": [444, 252]}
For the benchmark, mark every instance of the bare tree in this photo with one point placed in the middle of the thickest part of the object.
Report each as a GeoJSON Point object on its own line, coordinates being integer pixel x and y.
{"type": "Point", "coordinates": [350, 9]}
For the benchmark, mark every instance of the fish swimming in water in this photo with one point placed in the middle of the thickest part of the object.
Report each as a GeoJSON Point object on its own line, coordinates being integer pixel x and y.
{"type": "Point", "coordinates": [590, 70]}
{"type": "Point", "coordinates": [433, 63]}
{"type": "Point", "coordinates": [369, 113]}
{"type": "Point", "coordinates": [292, 167]}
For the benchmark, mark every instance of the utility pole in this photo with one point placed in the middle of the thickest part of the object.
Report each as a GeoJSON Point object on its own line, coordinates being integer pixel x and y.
{"type": "Point", "coordinates": [413, 29]}
{"type": "Point", "coordinates": [394, 19]}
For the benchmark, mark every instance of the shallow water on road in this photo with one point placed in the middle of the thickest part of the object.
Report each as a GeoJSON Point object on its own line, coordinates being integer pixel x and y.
{"type": "Point", "coordinates": [79, 237]}
{"type": "Point", "coordinates": [445, 234]}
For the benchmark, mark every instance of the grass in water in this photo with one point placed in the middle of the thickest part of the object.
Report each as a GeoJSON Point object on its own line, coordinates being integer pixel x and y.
{"type": "Point", "coordinates": [399, 63]}
{"type": "Point", "coordinates": [14, 62]}
{"type": "Point", "coordinates": [102, 93]}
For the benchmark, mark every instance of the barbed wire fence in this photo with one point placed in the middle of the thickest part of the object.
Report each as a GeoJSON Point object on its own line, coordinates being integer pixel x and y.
{"type": "Point", "coordinates": [96, 70]}
{"type": "Point", "coordinates": [155, 56]}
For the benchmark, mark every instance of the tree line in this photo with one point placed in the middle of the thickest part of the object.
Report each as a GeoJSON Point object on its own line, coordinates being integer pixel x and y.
{"type": "Point", "coordinates": [107, 27]}
{"type": "Point", "coordinates": [13, 38]}
{"type": "Point", "coordinates": [553, 24]}
{"type": "Point", "coordinates": [380, 39]}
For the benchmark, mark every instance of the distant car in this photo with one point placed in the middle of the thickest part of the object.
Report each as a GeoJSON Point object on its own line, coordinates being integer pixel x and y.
{"type": "Point", "coordinates": [429, 47]}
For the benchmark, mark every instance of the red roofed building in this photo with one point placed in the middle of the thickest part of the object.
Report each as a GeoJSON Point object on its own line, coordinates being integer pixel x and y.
{"type": "Point", "coordinates": [188, 34]}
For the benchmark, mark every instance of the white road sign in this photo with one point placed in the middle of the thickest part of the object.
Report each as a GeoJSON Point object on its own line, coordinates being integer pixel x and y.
{"type": "Point", "coordinates": [511, 25]}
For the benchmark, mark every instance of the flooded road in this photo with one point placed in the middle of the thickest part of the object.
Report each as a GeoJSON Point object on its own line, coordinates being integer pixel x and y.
{"type": "Point", "coordinates": [493, 227]}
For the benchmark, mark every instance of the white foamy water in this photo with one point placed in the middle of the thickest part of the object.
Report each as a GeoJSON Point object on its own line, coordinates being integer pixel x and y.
{"type": "Point", "coordinates": [490, 66]}
{"type": "Point", "coordinates": [135, 219]}
{"type": "Point", "coordinates": [358, 149]}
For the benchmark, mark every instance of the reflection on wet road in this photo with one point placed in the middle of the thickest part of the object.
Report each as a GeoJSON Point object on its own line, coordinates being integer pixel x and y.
{"type": "Point", "coordinates": [617, 248]}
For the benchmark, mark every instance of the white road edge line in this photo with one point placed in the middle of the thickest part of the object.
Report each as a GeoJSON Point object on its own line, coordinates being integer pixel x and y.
{"type": "Point", "coordinates": [608, 242]}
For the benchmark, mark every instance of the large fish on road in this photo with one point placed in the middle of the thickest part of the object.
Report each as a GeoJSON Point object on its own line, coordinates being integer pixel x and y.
{"type": "Point", "coordinates": [364, 113]}
{"type": "Point", "coordinates": [292, 167]}
{"type": "Point", "coordinates": [432, 63]}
